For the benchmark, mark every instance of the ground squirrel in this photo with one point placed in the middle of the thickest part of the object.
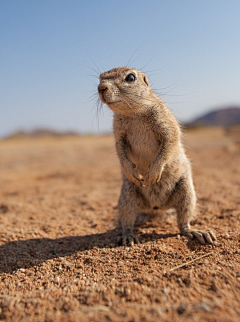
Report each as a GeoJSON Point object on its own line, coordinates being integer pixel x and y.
{"type": "Point", "coordinates": [156, 171]}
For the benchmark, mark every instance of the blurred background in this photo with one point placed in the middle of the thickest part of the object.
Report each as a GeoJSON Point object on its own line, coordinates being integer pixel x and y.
{"type": "Point", "coordinates": [52, 53]}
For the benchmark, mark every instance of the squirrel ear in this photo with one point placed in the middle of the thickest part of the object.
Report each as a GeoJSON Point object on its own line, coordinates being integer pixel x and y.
{"type": "Point", "coordinates": [145, 80]}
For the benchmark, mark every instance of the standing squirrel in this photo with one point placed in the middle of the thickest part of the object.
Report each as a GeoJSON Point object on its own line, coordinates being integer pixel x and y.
{"type": "Point", "coordinates": [156, 171]}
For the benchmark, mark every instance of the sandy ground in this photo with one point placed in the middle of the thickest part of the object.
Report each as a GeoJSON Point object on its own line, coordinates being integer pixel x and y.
{"type": "Point", "coordinates": [59, 260]}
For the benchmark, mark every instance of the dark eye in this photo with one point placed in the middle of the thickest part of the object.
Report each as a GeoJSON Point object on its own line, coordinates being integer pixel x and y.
{"type": "Point", "coordinates": [130, 78]}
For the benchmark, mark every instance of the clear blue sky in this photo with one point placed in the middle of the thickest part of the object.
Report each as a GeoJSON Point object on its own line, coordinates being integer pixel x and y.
{"type": "Point", "coordinates": [193, 48]}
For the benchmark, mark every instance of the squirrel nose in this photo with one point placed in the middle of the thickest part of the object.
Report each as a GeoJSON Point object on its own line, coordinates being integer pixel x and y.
{"type": "Point", "coordinates": [102, 88]}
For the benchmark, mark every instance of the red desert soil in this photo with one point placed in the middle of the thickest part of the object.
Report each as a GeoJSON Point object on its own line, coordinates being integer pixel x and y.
{"type": "Point", "coordinates": [59, 260]}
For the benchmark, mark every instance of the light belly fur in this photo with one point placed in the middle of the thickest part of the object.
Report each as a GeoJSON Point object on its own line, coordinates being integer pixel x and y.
{"type": "Point", "coordinates": [144, 148]}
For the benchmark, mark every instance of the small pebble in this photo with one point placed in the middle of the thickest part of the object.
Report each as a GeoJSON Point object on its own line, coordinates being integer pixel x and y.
{"type": "Point", "coordinates": [56, 279]}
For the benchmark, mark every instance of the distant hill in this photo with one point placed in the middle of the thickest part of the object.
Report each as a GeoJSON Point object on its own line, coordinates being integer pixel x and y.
{"type": "Point", "coordinates": [41, 132]}
{"type": "Point", "coordinates": [220, 117]}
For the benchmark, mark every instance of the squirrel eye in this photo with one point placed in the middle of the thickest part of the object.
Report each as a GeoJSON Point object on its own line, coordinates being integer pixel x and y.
{"type": "Point", "coordinates": [130, 78]}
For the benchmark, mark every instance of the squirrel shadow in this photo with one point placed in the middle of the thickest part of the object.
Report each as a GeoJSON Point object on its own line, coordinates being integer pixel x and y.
{"type": "Point", "coordinates": [31, 252]}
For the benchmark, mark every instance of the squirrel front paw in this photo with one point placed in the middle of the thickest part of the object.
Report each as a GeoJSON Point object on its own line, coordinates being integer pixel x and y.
{"type": "Point", "coordinates": [153, 176]}
{"type": "Point", "coordinates": [141, 177]}
{"type": "Point", "coordinates": [132, 174]}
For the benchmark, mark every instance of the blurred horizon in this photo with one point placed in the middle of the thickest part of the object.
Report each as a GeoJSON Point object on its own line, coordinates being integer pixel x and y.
{"type": "Point", "coordinates": [229, 117]}
{"type": "Point", "coordinates": [52, 53]}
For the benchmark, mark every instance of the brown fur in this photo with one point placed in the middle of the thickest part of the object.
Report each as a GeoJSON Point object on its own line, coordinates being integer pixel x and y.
{"type": "Point", "coordinates": [156, 171]}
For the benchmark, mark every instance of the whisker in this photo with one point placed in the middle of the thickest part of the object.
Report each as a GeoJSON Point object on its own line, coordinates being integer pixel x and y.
{"type": "Point", "coordinates": [91, 69]}
{"type": "Point", "coordinates": [133, 55]}
{"type": "Point", "coordinates": [131, 100]}
{"type": "Point", "coordinates": [153, 71]}
{"type": "Point", "coordinates": [95, 95]}
{"type": "Point", "coordinates": [136, 58]}
{"type": "Point", "coordinates": [173, 84]}
{"type": "Point", "coordinates": [97, 104]}
{"type": "Point", "coordinates": [147, 62]}
{"type": "Point", "coordinates": [91, 98]}
{"type": "Point", "coordinates": [92, 90]}
{"type": "Point", "coordinates": [94, 105]}
{"type": "Point", "coordinates": [92, 76]}
{"type": "Point", "coordinates": [127, 103]}
{"type": "Point", "coordinates": [94, 63]}
{"type": "Point", "coordinates": [102, 66]}
{"type": "Point", "coordinates": [137, 96]}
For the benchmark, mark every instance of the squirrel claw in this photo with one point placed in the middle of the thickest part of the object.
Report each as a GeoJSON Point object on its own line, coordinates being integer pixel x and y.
{"type": "Point", "coordinates": [203, 236]}
{"type": "Point", "coordinates": [128, 240]}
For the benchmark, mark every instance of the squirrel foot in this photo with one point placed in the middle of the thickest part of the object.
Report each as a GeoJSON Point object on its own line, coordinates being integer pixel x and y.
{"type": "Point", "coordinates": [203, 236]}
{"type": "Point", "coordinates": [128, 238]}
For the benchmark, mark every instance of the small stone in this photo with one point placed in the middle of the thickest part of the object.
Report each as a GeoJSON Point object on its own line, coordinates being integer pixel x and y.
{"type": "Point", "coordinates": [205, 307]}
{"type": "Point", "coordinates": [164, 298]}
{"type": "Point", "coordinates": [166, 290]}
{"type": "Point", "coordinates": [187, 281]}
{"type": "Point", "coordinates": [213, 287]}
{"type": "Point", "coordinates": [56, 279]}
{"type": "Point", "coordinates": [127, 291]}
{"type": "Point", "coordinates": [3, 209]}
{"type": "Point", "coordinates": [182, 308]}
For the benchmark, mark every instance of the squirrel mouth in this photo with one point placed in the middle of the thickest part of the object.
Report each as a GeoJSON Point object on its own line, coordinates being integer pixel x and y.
{"type": "Point", "coordinates": [102, 98]}
{"type": "Point", "coordinates": [105, 101]}
{"type": "Point", "coordinates": [108, 102]}
{"type": "Point", "coordinates": [100, 93]}
{"type": "Point", "coordinates": [113, 102]}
